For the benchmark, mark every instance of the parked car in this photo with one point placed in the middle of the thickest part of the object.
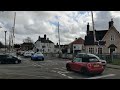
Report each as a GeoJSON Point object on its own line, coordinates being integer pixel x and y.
{"type": "Point", "coordinates": [37, 56]}
{"type": "Point", "coordinates": [28, 53]}
{"type": "Point", "coordinates": [104, 63]}
{"type": "Point", "coordinates": [85, 65]}
{"type": "Point", "coordinates": [4, 58]}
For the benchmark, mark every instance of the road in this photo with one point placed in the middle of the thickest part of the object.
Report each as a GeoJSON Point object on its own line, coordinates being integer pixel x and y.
{"type": "Point", "coordinates": [48, 69]}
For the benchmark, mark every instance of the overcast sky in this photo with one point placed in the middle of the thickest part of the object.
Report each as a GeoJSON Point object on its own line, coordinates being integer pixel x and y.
{"type": "Point", "coordinates": [37, 23]}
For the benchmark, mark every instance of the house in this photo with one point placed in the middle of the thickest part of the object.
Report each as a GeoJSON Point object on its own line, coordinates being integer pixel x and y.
{"type": "Point", "coordinates": [26, 46]}
{"type": "Point", "coordinates": [44, 45]}
{"type": "Point", "coordinates": [76, 46]}
{"type": "Point", "coordinates": [107, 41]}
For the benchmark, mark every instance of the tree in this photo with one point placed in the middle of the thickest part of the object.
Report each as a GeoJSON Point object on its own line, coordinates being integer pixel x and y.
{"type": "Point", "coordinates": [28, 40]}
{"type": "Point", "coordinates": [16, 46]}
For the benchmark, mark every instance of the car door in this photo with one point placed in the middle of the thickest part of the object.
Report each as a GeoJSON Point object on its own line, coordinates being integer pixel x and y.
{"type": "Point", "coordinates": [76, 64]}
{"type": "Point", "coordinates": [9, 59]}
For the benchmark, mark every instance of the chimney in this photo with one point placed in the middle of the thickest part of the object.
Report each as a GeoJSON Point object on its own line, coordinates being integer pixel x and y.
{"type": "Point", "coordinates": [39, 38]}
{"type": "Point", "coordinates": [45, 36]}
{"type": "Point", "coordinates": [57, 44]}
{"type": "Point", "coordinates": [88, 28]}
{"type": "Point", "coordinates": [111, 23]}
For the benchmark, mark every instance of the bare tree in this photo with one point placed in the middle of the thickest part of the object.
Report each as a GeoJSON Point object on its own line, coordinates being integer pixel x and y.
{"type": "Point", "coordinates": [28, 40]}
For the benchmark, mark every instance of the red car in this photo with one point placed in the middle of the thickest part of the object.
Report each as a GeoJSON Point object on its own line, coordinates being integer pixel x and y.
{"type": "Point", "coordinates": [86, 65]}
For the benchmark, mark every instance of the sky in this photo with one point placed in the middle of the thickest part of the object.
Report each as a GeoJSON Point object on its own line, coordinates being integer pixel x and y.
{"type": "Point", "coordinates": [73, 24]}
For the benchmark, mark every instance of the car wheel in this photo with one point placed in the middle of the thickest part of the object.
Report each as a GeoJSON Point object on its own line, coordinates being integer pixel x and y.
{"type": "Point", "coordinates": [31, 58]}
{"type": "Point", "coordinates": [42, 59]}
{"type": "Point", "coordinates": [0, 62]}
{"type": "Point", "coordinates": [68, 67]}
{"type": "Point", "coordinates": [16, 62]}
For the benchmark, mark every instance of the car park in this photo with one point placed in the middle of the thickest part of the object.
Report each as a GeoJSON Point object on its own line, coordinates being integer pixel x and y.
{"type": "Point", "coordinates": [37, 56]}
{"type": "Point", "coordinates": [4, 59]}
{"type": "Point", "coordinates": [85, 65]}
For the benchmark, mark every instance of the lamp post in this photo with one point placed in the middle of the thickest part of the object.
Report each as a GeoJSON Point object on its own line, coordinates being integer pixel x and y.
{"type": "Point", "coordinates": [5, 41]}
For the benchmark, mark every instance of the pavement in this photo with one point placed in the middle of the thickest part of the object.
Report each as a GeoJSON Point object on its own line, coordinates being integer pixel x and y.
{"type": "Point", "coordinates": [113, 66]}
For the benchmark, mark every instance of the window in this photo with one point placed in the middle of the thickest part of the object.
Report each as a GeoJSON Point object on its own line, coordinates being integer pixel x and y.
{"type": "Point", "coordinates": [99, 50]}
{"type": "Point", "coordinates": [112, 38]}
{"type": "Point", "coordinates": [93, 60]}
{"type": "Point", "coordinates": [74, 46]}
{"type": "Point", "coordinates": [91, 50]}
{"type": "Point", "coordinates": [43, 46]}
{"type": "Point", "coordinates": [78, 60]}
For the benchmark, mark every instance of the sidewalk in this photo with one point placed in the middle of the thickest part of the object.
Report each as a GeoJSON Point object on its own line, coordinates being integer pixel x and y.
{"type": "Point", "coordinates": [113, 66]}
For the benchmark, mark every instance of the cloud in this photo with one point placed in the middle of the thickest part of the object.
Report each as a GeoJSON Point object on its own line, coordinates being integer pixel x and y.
{"type": "Point", "coordinates": [37, 23]}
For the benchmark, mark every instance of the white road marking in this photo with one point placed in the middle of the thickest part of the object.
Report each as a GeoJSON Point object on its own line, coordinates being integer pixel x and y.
{"type": "Point", "coordinates": [61, 73]}
{"type": "Point", "coordinates": [98, 77]}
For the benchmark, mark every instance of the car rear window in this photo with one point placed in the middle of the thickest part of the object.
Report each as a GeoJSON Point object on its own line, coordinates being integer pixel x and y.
{"type": "Point", "coordinates": [82, 55]}
{"type": "Point", "coordinates": [90, 59]}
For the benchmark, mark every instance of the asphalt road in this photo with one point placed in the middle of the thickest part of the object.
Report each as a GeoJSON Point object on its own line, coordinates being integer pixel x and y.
{"type": "Point", "coordinates": [48, 69]}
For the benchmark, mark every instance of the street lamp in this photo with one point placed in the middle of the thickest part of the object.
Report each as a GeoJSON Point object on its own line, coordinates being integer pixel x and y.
{"type": "Point", "coordinates": [5, 41]}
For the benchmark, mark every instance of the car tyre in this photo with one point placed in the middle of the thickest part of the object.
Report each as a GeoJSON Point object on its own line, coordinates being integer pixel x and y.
{"type": "Point", "coordinates": [68, 67]}
{"type": "Point", "coordinates": [0, 62]}
{"type": "Point", "coordinates": [16, 62]}
{"type": "Point", "coordinates": [42, 59]}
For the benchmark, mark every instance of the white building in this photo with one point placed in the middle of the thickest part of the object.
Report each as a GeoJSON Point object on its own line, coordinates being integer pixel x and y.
{"type": "Point", "coordinates": [44, 45]}
{"type": "Point", "coordinates": [76, 46]}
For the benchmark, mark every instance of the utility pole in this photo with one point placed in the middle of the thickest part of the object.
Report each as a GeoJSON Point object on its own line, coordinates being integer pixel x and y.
{"type": "Point", "coordinates": [5, 41]}
{"type": "Point", "coordinates": [13, 28]}
{"type": "Point", "coordinates": [59, 38]}
{"type": "Point", "coordinates": [93, 27]}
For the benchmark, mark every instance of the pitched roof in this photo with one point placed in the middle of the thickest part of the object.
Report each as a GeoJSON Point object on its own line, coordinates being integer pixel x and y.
{"type": "Point", "coordinates": [112, 45]}
{"type": "Point", "coordinates": [89, 39]}
{"type": "Point", "coordinates": [43, 40]}
{"type": "Point", "coordinates": [78, 41]}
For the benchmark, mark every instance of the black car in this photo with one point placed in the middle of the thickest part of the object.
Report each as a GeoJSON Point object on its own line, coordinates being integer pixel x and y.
{"type": "Point", "coordinates": [4, 59]}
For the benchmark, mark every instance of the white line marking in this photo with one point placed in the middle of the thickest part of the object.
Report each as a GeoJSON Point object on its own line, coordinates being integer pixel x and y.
{"type": "Point", "coordinates": [97, 77]}
{"type": "Point", "coordinates": [61, 73]}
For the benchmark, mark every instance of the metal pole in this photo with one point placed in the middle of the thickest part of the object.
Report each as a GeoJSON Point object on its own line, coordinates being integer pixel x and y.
{"type": "Point", "coordinates": [13, 36]}
{"type": "Point", "coordinates": [93, 27]}
{"type": "Point", "coordinates": [5, 41]}
{"type": "Point", "coordinates": [59, 38]}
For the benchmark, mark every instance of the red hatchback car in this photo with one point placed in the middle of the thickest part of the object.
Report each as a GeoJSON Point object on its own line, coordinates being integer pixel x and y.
{"type": "Point", "coordinates": [85, 65]}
